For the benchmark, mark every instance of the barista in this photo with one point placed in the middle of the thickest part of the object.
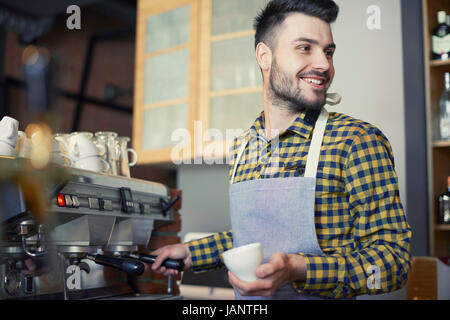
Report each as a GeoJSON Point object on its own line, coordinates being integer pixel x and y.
{"type": "Point", "coordinates": [323, 198]}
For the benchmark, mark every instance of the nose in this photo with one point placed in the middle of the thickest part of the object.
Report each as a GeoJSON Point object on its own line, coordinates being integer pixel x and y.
{"type": "Point", "coordinates": [320, 61]}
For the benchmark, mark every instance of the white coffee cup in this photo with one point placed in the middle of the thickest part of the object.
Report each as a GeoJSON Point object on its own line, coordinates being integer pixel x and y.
{"type": "Point", "coordinates": [9, 128]}
{"type": "Point", "coordinates": [242, 261]}
{"type": "Point", "coordinates": [61, 159]}
{"type": "Point", "coordinates": [60, 154]}
{"type": "Point", "coordinates": [95, 163]}
{"type": "Point", "coordinates": [24, 145]}
{"type": "Point", "coordinates": [81, 145]}
{"type": "Point", "coordinates": [6, 149]}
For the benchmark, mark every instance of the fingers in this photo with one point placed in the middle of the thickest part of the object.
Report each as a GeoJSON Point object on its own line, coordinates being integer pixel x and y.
{"type": "Point", "coordinates": [178, 251]}
{"type": "Point", "coordinates": [255, 288]}
{"type": "Point", "coordinates": [271, 274]}
{"type": "Point", "coordinates": [276, 263]}
{"type": "Point", "coordinates": [166, 272]}
{"type": "Point", "coordinates": [265, 270]}
{"type": "Point", "coordinates": [161, 256]}
{"type": "Point", "coordinates": [269, 269]}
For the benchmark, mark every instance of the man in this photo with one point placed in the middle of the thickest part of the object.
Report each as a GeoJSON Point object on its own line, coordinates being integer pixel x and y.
{"type": "Point", "coordinates": [323, 197]}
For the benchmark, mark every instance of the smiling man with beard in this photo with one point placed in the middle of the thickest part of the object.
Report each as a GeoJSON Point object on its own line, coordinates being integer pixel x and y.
{"type": "Point", "coordinates": [323, 196]}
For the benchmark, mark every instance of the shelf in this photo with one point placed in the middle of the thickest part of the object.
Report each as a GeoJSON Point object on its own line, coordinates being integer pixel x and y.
{"type": "Point", "coordinates": [438, 156]}
{"type": "Point", "coordinates": [441, 143]}
{"type": "Point", "coordinates": [439, 63]}
{"type": "Point", "coordinates": [442, 227]}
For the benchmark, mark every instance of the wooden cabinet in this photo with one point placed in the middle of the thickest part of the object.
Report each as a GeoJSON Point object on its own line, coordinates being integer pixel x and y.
{"type": "Point", "coordinates": [166, 76]}
{"type": "Point", "coordinates": [195, 71]}
{"type": "Point", "coordinates": [438, 150]}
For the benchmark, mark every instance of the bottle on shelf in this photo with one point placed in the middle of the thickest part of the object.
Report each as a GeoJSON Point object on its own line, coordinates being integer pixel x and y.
{"type": "Point", "coordinates": [441, 38]}
{"type": "Point", "coordinates": [444, 205]}
{"type": "Point", "coordinates": [444, 105]}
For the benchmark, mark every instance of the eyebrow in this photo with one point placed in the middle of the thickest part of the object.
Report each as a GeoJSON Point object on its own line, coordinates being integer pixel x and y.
{"type": "Point", "coordinates": [315, 42]}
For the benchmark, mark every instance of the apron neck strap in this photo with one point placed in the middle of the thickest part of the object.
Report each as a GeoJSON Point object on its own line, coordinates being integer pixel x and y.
{"type": "Point", "coordinates": [316, 142]}
{"type": "Point", "coordinates": [238, 158]}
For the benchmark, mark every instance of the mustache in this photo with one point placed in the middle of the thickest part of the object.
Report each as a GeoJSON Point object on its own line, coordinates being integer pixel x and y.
{"type": "Point", "coordinates": [313, 73]}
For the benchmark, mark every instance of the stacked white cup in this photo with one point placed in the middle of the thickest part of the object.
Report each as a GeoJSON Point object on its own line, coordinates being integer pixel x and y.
{"type": "Point", "coordinates": [9, 130]}
{"type": "Point", "coordinates": [85, 154]}
{"type": "Point", "coordinates": [24, 145]}
{"type": "Point", "coordinates": [60, 153]}
{"type": "Point", "coordinates": [77, 149]}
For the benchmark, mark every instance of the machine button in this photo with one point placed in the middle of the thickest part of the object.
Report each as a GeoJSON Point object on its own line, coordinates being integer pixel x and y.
{"type": "Point", "coordinates": [75, 202]}
{"type": "Point", "coordinates": [60, 200]}
{"type": "Point", "coordinates": [127, 200]}
{"type": "Point", "coordinates": [145, 208]}
{"type": "Point", "coordinates": [107, 205]}
{"type": "Point", "coordinates": [93, 203]}
{"type": "Point", "coordinates": [69, 202]}
{"type": "Point", "coordinates": [101, 204]}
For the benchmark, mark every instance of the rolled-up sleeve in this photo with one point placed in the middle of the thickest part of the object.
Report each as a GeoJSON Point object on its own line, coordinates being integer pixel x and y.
{"type": "Point", "coordinates": [206, 253]}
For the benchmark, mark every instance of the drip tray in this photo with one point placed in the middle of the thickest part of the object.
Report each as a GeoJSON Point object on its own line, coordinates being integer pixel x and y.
{"type": "Point", "coordinates": [144, 297]}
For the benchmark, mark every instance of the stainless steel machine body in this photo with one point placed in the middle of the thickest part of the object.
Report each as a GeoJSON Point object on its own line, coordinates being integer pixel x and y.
{"type": "Point", "coordinates": [92, 219]}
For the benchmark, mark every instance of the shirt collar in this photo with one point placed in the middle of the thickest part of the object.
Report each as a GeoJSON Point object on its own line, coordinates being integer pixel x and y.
{"type": "Point", "coordinates": [300, 126]}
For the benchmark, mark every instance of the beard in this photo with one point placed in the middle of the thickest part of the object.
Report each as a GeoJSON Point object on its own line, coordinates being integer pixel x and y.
{"type": "Point", "coordinates": [285, 93]}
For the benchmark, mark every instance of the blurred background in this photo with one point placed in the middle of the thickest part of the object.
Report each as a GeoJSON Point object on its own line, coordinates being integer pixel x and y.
{"type": "Point", "coordinates": [95, 66]}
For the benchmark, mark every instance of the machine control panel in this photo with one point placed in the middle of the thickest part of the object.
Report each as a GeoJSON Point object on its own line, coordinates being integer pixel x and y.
{"type": "Point", "coordinates": [116, 196]}
{"type": "Point", "coordinates": [124, 204]}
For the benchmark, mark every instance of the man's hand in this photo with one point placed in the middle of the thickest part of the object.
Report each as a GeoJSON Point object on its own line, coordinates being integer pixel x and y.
{"type": "Point", "coordinates": [175, 251]}
{"type": "Point", "coordinates": [280, 269]}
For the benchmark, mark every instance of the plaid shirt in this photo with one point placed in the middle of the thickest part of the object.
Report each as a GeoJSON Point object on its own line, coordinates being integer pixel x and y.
{"type": "Point", "coordinates": [360, 223]}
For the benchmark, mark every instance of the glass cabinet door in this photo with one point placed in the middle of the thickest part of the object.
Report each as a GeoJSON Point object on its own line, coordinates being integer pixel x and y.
{"type": "Point", "coordinates": [234, 15]}
{"type": "Point", "coordinates": [166, 73]}
{"type": "Point", "coordinates": [195, 60]}
{"type": "Point", "coordinates": [167, 29]}
{"type": "Point", "coordinates": [235, 97]}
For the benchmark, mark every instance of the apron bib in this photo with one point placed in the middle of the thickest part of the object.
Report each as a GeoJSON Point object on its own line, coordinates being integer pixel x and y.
{"type": "Point", "coordinates": [278, 212]}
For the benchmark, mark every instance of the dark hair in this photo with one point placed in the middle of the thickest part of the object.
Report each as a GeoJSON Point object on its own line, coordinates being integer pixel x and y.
{"type": "Point", "coordinates": [276, 11]}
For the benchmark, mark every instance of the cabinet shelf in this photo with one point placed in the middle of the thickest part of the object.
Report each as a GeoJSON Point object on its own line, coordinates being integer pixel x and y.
{"type": "Point", "coordinates": [441, 144]}
{"type": "Point", "coordinates": [442, 227]}
{"type": "Point", "coordinates": [439, 63]}
{"type": "Point", "coordinates": [438, 151]}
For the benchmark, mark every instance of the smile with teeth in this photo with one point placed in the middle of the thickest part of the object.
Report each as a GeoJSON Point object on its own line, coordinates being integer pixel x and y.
{"type": "Point", "coordinates": [314, 81]}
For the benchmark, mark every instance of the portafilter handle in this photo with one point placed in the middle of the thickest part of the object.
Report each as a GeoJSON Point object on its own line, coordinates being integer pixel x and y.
{"type": "Point", "coordinates": [166, 206]}
{"type": "Point", "coordinates": [177, 264]}
{"type": "Point", "coordinates": [129, 266]}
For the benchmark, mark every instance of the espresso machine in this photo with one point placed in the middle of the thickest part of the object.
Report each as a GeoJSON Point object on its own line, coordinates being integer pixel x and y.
{"type": "Point", "coordinates": [94, 223]}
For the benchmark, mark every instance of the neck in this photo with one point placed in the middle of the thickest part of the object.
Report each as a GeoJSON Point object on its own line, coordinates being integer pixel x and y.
{"type": "Point", "coordinates": [277, 118]}
{"type": "Point", "coordinates": [280, 120]}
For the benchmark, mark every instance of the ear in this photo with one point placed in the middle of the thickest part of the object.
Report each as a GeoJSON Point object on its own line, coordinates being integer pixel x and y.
{"type": "Point", "coordinates": [263, 56]}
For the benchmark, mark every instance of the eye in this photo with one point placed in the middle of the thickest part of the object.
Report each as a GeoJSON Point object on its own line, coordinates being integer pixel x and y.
{"type": "Point", "coordinates": [304, 48]}
{"type": "Point", "coordinates": [329, 53]}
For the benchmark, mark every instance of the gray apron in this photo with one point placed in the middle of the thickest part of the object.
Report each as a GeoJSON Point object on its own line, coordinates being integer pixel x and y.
{"type": "Point", "coordinates": [278, 212]}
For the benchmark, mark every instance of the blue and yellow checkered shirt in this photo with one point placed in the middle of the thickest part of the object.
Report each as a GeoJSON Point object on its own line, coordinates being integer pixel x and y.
{"type": "Point", "coordinates": [360, 222]}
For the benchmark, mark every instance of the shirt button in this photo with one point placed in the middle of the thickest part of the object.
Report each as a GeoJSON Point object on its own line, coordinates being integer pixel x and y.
{"type": "Point", "coordinates": [301, 170]}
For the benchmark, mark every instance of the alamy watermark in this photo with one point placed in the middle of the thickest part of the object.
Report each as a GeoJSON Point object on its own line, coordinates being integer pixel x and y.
{"type": "Point", "coordinates": [73, 281]}
{"type": "Point", "coordinates": [213, 146]}
{"type": "Point", "coordinates": [374, 20]}
{"type": "Point", "coordinates": [74, 20]}
{"type": "Point", "coordinates": [374, 280]}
